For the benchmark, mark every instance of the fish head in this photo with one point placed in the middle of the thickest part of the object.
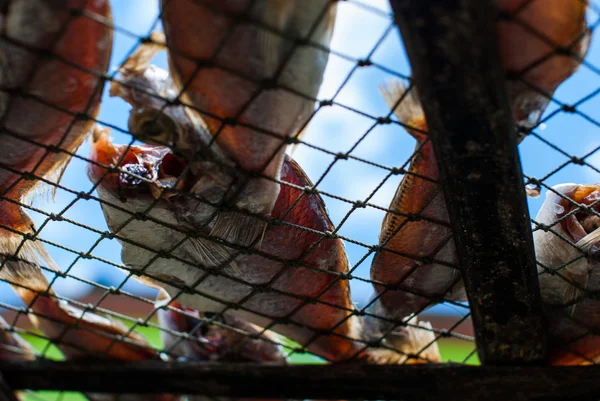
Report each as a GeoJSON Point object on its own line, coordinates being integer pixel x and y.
{"type": "Point", "coordinates": [153, 181]}
{"type": "Point", "coordinates": [578, 213]}
{"type": "Point", "coordinates": [186, 334]}
{"type": "Point", "coordinates": [134, 172]}
{"type": "Point", "coordinates": [245, 342]}
{"type": "Point", "coordinates": [213, 337]}
{"type": "Point", "coordinates": [567, 246]}
{"type": "Point", "coordinates": [137, 187]}
{"type": "Point", "coordinates": [157, 116]}
{"type": "Point", "coordinates": [176, 322]}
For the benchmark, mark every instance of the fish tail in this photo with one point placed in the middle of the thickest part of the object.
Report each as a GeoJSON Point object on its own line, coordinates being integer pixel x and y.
{"type": "Point", "coordinates": [81, 333]}
{"type": "Point", "coordinates": [407, 107]}
{"type": "Point", "coordinates": [413, 343]}
{"type": "Point", "coordinates": [135, 65]}
{"type": "Point", "coordinates": [140, 59]}
{"type": "Point", "coordinates": [21, 255]}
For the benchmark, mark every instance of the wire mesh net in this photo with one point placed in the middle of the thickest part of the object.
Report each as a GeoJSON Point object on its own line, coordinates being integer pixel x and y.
{"type": "Point", "coordinates": [221, 208]}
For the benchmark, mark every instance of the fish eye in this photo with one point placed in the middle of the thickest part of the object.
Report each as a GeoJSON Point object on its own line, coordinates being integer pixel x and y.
{"type": "Point", "coordinates": [127, 180]}
{"type": "Point", "coordinates": [152, 127]}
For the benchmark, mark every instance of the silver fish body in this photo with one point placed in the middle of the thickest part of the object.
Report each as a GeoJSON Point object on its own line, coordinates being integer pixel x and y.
{"type": "Point", "coordinates": [569, 272]}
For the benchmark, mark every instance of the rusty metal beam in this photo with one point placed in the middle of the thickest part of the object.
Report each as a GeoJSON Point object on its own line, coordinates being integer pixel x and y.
{"type": "Point", "coordinates": [452, 49]}
{"type": "Point", "coordinates": [339, 382]}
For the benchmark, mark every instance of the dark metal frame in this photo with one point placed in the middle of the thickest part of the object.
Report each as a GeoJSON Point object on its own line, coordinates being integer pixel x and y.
{"type": "Point", "coordinates": [458, 75]}
{"type": "Point", "coordinates": [343, 381]}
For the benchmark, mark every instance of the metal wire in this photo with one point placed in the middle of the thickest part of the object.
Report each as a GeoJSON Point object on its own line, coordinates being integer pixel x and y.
{"type": "Point", "coordinates": [200, 324]}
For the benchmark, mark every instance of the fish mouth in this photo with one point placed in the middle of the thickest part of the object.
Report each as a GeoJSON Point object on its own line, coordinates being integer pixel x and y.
{"type": "Point", "coordinates": [153, 127]}
{"type": "Point", "coordinates": [136, 170]}
{"type": "Point", "coordinates": [582, 224]}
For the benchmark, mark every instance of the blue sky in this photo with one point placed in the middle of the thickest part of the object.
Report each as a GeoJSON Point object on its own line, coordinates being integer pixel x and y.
{"type": "Point", "coordinates": [334, 128]}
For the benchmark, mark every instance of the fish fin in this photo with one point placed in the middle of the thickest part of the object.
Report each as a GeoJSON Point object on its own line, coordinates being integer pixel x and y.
{"type": "Point", "coordinates": [103, 323]}
{"type": "Point", "coordinates": [300, 178]}
{"type": "Point", "coordinates": [100, 322]}
{"type": "Point", "coordinates": [299, 137]}
{"type": "Point", "coordinates": [262, 237]}
{"type": "Point", "coordinates": [413, 344]}
{"type": "Point", "coordinates": [579, 291]}
{"type": "Point", "coordinates": [56, 176]}
{"type": "Point", "coordinates": [572, 293]}
{"type": "Point", "coordinates": [575, 295]}
{"type": "Point", "coordinates": [409, 110]}
{"type": "Point", "coordinates": [137, 76]}
{"type": "Point", "coordinates": [583, 45]}
{"type": "Point", "coordinates": [528, 108]}
{"type": "Point", "coordinates": [211, 254]}
{"type": "Point", "coordinates": [163, 299]}
{"type": "Point", "coordinates": [423, 342]}
{"type": "Point", "coordinates": [270, 45]}
{"type": "Point", "coordinates": [46, 191]}
{"type": "Point", "coordinates": [238, 228]}
{"type": "Point", "coordinates": [270, 335]}
{"type": "Point", "coordinates": [140, 59]}
{"type": "Point", "coordinates": [22, 259]}
{"type": "Point", "coordinates": [587, 242]}
{"type": "Point", "coordinates": [232, 227]}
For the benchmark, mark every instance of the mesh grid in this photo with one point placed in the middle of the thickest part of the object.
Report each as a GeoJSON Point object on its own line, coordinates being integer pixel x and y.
{"type": "Point", "coordinates": [349, 154]}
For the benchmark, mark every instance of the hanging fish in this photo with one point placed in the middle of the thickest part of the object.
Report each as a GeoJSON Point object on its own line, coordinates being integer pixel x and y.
{"type": "Point", "coordinates": [227, 341]}
{"type": "Point", "coordinates": [83, 334]}
{"type": "Point", "coordinates": [211, 342]}
{"type": "Point", "coordinates": [230, 339]}
{"type": "Point", "coordinates": [273, 266]}
{"type": "Point", "coordinates": [531, 37]}
{"type": "Point", "coordinates": [80, 333]}
{"type": "Point", "coordinates": [567, 241]}
{"type": "Point", "coordinates": [255, 82]}
{"type": "Point", "coordinates": [291, 262]}
{"type": "Point", "coordinates": [540, 70]}
{"type": "Point", "coordinates": [404, 283]}
{"type": "Point", "coordinates": [53, 56]}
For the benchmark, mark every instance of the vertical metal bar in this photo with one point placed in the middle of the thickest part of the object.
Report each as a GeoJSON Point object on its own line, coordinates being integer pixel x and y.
{"type": "Point", "coordinates": [6, 394]}
{"type": "Point", "coordinates": [452, 49]}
